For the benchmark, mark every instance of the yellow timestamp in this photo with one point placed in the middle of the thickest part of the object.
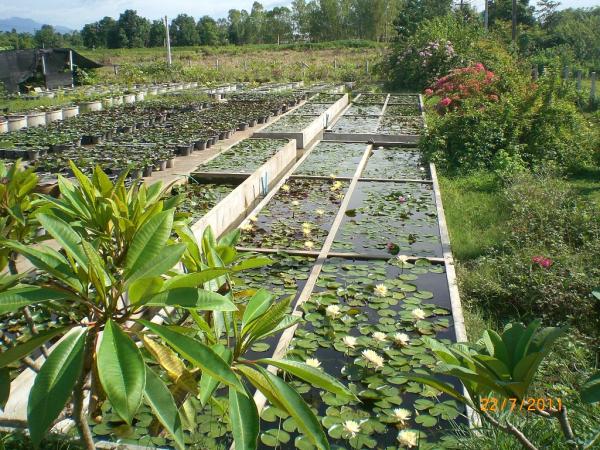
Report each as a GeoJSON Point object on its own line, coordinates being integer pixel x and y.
{"type": "Point", "coordinates": [530, 404]}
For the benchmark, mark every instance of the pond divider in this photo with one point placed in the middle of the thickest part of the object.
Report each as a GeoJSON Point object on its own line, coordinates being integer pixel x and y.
{"type": "Point", "coordinates": [310, 132]}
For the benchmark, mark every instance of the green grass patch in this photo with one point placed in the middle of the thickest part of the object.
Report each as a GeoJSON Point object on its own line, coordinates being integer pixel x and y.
{"type": "Point", "coordinates": [475, 213]}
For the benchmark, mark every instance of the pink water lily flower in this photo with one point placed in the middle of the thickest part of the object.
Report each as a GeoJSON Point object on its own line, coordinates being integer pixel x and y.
{"type": "Point", "coordinates": [542, 261]}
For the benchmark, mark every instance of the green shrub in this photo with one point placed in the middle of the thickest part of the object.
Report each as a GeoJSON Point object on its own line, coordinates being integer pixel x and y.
{"type": "Point", "coordinates": [547, 223]}
{"type": "Point", "coordinates": [439, 45]}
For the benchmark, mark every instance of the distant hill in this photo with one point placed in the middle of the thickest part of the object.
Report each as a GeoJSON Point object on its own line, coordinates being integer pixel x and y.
{"type": "Point", "coordinates": [27, 25]}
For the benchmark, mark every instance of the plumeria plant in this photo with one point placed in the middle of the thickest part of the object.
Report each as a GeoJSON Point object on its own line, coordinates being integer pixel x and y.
{"type": "Point", "coordinates": [126, 254]}
{"type": "Point", "coordinates": [503, 367]}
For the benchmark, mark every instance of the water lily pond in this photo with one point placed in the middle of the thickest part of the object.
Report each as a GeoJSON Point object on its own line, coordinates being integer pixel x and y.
{"type": "Point", "coordinates": [201, 198]}
{"type": "Point", "coordinates": [396, 163]}
{"type": "Point", "coordinates": [364, 325]}
{"type": "Point", "coordinates": [332, 158]}
{"type": "Point", "coordinates": [245, 157]}
{"type": "Point", "coordinates": [298, 217]}
{"type": "Point", "coordinates": [290, 124]}
{"type": "Point", "coordinates": [357, 125]}
{"type": "Point", "coordinates": [387, 217]}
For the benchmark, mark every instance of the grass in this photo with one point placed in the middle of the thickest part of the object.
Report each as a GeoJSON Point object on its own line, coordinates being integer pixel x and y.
{"type": "Point", "coordinates": [475, 213]}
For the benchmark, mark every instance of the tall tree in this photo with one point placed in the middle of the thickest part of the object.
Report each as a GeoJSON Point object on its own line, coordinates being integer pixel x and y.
{"type": "Point", "coordinates": [47, 37]}
{"type": "Point", "coordinates": [301, 18]}
{"type": "Point", "coordinates": [208, 31]}
{"type": "Point", "coordinates": [157, 34]}
{"type": "Point", "coordinates": [237, 22]}
{"type": "Point", "coordinates": [184, 31]}
{"type": "Point", "coordinates": [502, 10]}
{"type": "Point", "coordinates": [134, 31]}
{"type": "Point", "coordinates": [416, 11]}
{"type": "Point", "coordinates": [278, 25]}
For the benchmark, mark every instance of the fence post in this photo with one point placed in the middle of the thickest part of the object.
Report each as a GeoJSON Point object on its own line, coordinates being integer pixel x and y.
{"type": "Point", "coordinates": [593, 89]}
{"type": "Point", "coordinates": [217, 64]}
{"type": "Point", "coordinates": [534, 73]}
{"type": "Point", "coordinates": [579, 81]}
{"type": "Point", "coordinates": [367, 67]}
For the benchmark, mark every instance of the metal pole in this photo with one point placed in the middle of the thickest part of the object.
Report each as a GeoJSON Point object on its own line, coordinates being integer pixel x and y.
{"type": "Point", "coordinates": [169, 60]}
{"type": "Point", "coordinates": [44, 69]}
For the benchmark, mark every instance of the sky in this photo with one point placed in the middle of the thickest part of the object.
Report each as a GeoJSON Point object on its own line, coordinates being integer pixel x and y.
{"type": "Point", "coordinates": [76, 13]}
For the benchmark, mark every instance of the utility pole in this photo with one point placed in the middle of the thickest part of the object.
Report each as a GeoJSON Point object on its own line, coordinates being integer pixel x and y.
{"type": "Point", "coordinates": [169, 60]}
{"type": "Point", "coordinates": [486, 15]}
{"type": "Point", "coordinates": [514, 20]}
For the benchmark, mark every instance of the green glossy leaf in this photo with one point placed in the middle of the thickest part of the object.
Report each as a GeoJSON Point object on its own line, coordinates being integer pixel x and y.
{"type": "Point", "coordinates": [312, 375]}
{"type": "Point", "coordinates": [25, 295]}
{"type": "Point", "coordinates": [590, 391]}
{"type": "Point", "coordinates": [162, 403]}
{"type": "Point", "coordinates": [121, 370]}
{"type": "Point", "coordinates": [197, 353]}
{"type": "Point", "coordinates": [54, 383]}
{"type": "Point", "coordinates": [13, 354]}
{"type": "Point", "coordinates": [252, 263]}
{"type": "Point", "coordinates": [66, 236]}
{"type": "Point", "coordinates": [208, 384]}
{"type": "Point", "coordinates": [244, 420]}
{"type": "Point", "coordinates": [144, 288]}
{"type": "Point", "coordinates": [257, 305]}
{"type": "Point", "coordinates": [194, 280]}
{"type": "Point", "coordinates": [149, 240]}
{"type": "Point", "coordinates": [165, 260]}
{"type": "Point", "coordinates": [296, 407]}
{"type": "Point", "coordinates": [192, 298]}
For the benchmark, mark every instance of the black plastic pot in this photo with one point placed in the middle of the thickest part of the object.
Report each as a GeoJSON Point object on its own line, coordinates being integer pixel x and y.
{"type": "Point", "coordinates": [261, 120]}
{"type": "Point", "coordinates": [147, 171]}
{"type": "Point", "coordinates": [252, 123]}
{"type": "Point", "coordinates": [223, 135]}
{"type": "Point", "coordinates": [136, 173]}
{"type": "Point", "coordinates": [214, 139]}
{"type": "Point", "coordinates": [32, 155]}
{"type": "Point", "coordinates": [184, 150]}
{"type": "Point", "coordinates": [242, 126]}
{"type": "Point", "coordinates": [162, 164]}
{"type": "Point", "coordinates": [170, 163]}
{"type": "Point", "coordinates": [201, 145]}
{"type": "Point", "coordinates": [97, 139]}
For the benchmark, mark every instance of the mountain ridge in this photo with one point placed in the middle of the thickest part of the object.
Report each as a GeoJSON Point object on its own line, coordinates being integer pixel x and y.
{"type": "Point", "coordinates": [26, 25]}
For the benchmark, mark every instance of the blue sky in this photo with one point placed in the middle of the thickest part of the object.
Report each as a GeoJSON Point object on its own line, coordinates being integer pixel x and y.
{"type": "Point", "coordinates": [75, 13]}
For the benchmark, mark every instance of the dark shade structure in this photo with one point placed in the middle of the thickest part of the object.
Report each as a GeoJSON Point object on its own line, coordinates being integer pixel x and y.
{"type": "Point", "coordinates": [56, 64]}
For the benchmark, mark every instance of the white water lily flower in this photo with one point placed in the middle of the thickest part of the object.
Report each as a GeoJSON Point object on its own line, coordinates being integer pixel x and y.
{"type": "Point", "coordinates": [381, 290]}
{"type": "Point", "coordinates": [307, 225]}
{"type": "Point", "coordinates": [350, 341]}
{"type": "Point", "coordinates": [336, 186]}
{"type": "Point", "coordinates": [403, 259]}
{"type": "Point", "coordinates": [408, 438]}
{"type": "Point", "coordinates": [418, 314]}
{"type": "Point", "coordinates": [246, 227]}
{"type": "Point", "coordinates": [333, 311]}
{"type": "Point", "coordinates": [379, 336]}
{"type": "Point", "coordinates": [351, 427]}
{"type": "Point", "coordinates": [373, 358]}
{"type": "Point", "coordinates": [332, 176]}
{"type": "Point", "coordinates": [253, 219]}
{"type": "Point", "coordinates": [295, 203]}
{"type": "Point", "coordinates": [313, 362]}
{"type": "Point", "coordinates": [319, 212]}
{"type": "Point", "coordinates": [401, 339]}
{"type": "Point", "coordinates": [285, 188]}
{"type": "Point", "coordinates": [402, 415]}
{"type": "Point", "coordinates": [309, 244]}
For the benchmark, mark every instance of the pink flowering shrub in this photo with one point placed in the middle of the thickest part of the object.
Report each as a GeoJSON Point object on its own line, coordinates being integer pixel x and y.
{"type": "Point", "coordinates": [471, 82]}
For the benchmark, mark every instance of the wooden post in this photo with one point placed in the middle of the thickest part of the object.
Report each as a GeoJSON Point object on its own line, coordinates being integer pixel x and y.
{"type": "Point", "coordinates": [593, 89]}
{"type": "Point", "coordinates": [578, 81]}
{"type": "Point", "coordinates": [534, 73]}
{"type": "Point", "coordinates": [116, 69]}
{"type": "Point", "coordinates": [367, 67]}
{"type": "Point", "coordinates": [217, 64]}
